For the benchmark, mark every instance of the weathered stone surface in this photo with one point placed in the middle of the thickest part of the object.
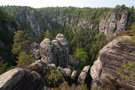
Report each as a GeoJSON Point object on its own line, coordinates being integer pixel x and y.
{"type": "Point", "coordinates": [62, 71]}
{"type": "Point", "coordinates": [61, 54]}
{"type": "Point", "coordinates": [60, 37]}
{"type": "Point", "coordinates": [84, 75]}
{"type": "Point", "coordinates": [109, 60]}
{"type": "Point", "coordinates": [56, 51]}
{"type": "Point", "coordinates": [121, 25]}
{"type": "Point", "coordinates": [52, 65]}
{"type": "Point", "coordinates": [47, 51]}
{"type": "Point", "coordinates": [112, 25]}
{"type": "Point", "coordinates": [86, 69]}
{"type": "Point", "coordinates": [67, 71]}
{"type": "Point", "coordinates": [74, 75]}
{"type": "Point", "coordinates": [35, 50]}
{"type": "Point", "coordinates": [74, 61]}
{"type": "Point", "coordinates": [33, 22]}
{"type": "Point", "coordinates": [82, 24]}
{"type": "Point", "coordinates": [20, 79]}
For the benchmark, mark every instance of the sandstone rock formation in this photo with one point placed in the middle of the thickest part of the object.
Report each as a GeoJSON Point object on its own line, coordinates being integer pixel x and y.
{"type": "Point", "coordinates": [33, 77]}
{"type": "Point", "coordinates": [84, 75]}
{"type": "Point", "coordinates": [74, 61]}
{"type": "Point", "coordinates": [35, 50]}
{"type": "Point", "coordinates": [67, 71]}
{"type": "Point", "coordinates": [74, 75]}
{"type": "Point", "coordinates": [112, 25]}
{"type": "Point", "coordinates": [64, 21]}
{"type": "Point", "coordinates": [55, 51]}
{"type": "Point", "coordinates": [20, 79]}
{"type": "Point", "coordinates": [122, 23]}
{"type": "Point", "coordinates": [47, 51]}
{"type": "Point", "coordinates": [109, 60]}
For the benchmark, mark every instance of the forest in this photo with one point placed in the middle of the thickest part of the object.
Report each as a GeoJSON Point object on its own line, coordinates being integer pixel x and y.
{"type": "Point", "coordinates": [80, 26]}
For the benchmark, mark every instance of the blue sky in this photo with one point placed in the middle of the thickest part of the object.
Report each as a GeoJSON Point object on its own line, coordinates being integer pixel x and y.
{"type": "Point", "coordinates": [61, 3]}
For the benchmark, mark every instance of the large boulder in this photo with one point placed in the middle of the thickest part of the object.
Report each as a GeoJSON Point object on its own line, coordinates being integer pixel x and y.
{"type": "Point", "coordinates": [55, 51]}
{"type": "Point", "coordinates": [84, 75]}
{"type": "Point", "coordinates": [110, 58]}
{"type": "Point", "coordinates": [67, 71]}
{"type": "Point", "coordinates": [74, 75]}
{"type": "Point", "coordinates": [20, 79]}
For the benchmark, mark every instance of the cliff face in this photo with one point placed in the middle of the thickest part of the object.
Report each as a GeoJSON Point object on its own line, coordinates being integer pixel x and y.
{"type": "Point", "coordinates": [110, 58]}
{"type": "Point", "coordinates": [112, 26]}
{"type": "Point", "coordinates": [82, 24]}
{"type": "Point", "coordinates": [28, 18]}
{"type": "Point", "coordinates": [29, 21]}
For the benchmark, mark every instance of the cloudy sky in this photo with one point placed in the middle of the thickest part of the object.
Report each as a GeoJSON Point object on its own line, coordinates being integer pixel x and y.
{"type": "Point", "coordinates": [61, 3]}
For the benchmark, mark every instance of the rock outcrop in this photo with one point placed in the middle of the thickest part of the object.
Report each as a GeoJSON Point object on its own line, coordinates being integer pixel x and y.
{"type": "Point", "coordinates": [74, 61]}
{"type": "Point", "coordinates": [83, 77]}
{"type": "Point", "coordinates": [74, 76]}
{"type": "Point", "coordinates": [20, 79]}
{"type": "Point", "coordinates": [112, 25]}
{"type": "Point", "coordinates": [55, 51]}
{"type": "Point", "coordinates": [110, 58]}
{"type": "Point", "coordinates": [83, 24]}
{"type": "Point", "coordinates": [35, 50]}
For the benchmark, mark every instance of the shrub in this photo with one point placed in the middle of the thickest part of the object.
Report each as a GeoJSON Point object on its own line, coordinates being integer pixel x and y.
{"type": "Point", "coordinates": [127, 69]}
{"type": "Point", "coordinates": [55, 76]}
{"type": "Point", "coordinates": [129, 41]}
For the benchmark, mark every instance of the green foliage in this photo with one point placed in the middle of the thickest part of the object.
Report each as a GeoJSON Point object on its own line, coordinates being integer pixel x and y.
{"type": "Point", "coordinates": [66, 86]}
{"type": "Point", "coordinates": [47, 34]}
{"type": "Point", "coordinates": [127, 68]}
{"type": "Point", "coordinates": [21, 42]}
{"type": "Point", "coordinates": [21, 47]}
{"type": "Point", "coordinates": [83, 56]}
{"type": "Point", "coordinates": [3, 66]}
{"type": "Point", "coordinates": [55, 76]}
{"type": "Point", "coordinates": [129, 41]}
{"type": "Point", "coordinates": [126, 33]}
{"type": "Point", "coordinates": [90, 40]}
{"type": "Point", "coordinates": [24, 60]}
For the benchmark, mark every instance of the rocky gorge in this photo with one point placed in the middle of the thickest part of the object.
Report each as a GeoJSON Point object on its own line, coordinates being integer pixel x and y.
{"type": "Point", "coordinates": [66, 47]}
{"type": "Point", "coordinates": [54, 55]}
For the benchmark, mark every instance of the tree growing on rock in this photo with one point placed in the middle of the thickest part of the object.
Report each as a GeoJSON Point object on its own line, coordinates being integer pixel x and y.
{"type": "Point", "coordinates": [55, 76]}
{"type": "Point", "coordinates": [47, 34]}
